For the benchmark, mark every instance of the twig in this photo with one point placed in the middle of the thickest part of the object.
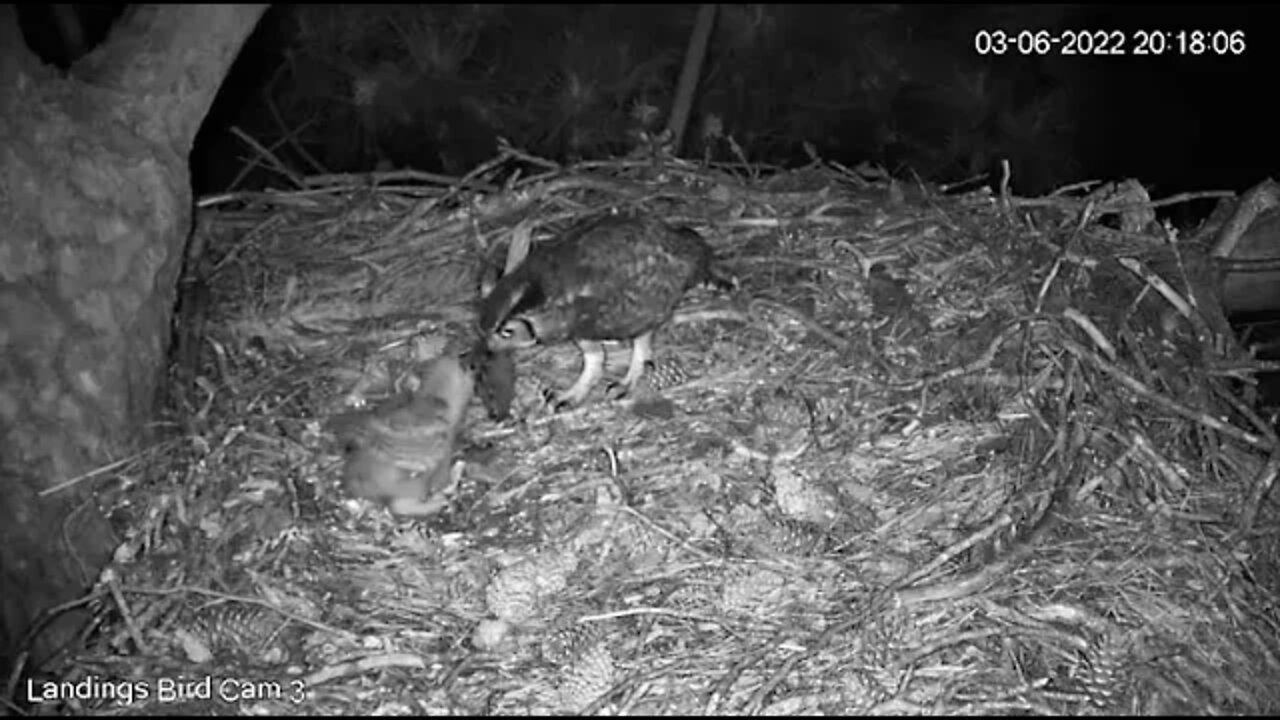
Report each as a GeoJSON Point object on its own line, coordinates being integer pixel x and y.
{"type": "Point", "coordinates": [112, 581]}
{"type": "Point", "coordinates": [105, 468]}
{"type": "Point", "coordinates": [1142, 390]}
{"type": "Point", "coordinates": [290, 136]}
{"type": "Point", "coordinates": [518, 154]}
{"type": "Point", "coordinates": [266, 154]}
{"type": "Point", "coordinates": [817, 328]}
{"type": "Point", "coordinates": [1262, 483]}
{"type": "Point", "coordinates": [364, 665]}
{"type": "Point", "coordinates": [297, 198]}
{"type": "Point", "coordinates": [981, 362]}
{"type": "Point", "coordinates": [389, 176]}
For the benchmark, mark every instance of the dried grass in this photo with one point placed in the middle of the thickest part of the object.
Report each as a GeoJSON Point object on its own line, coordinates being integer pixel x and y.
{"type": "Point", "coordinates": [1001, 485]}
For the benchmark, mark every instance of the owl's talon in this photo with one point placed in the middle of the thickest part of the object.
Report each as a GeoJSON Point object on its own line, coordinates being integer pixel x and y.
{"type": "Point", "coordinates": [617, 391]}
{"type": "Point", "coordinates": [557, 402]}
{"type": "Point", "coordinates": [550, 398]}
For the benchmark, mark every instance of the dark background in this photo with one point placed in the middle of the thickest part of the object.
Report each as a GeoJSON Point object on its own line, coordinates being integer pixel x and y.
{"type": "Point", "coordinates": [332, 88]}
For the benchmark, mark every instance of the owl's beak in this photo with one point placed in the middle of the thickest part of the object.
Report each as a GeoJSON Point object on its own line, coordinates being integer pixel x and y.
{"type": "Point", "coordinates": [514, 334]}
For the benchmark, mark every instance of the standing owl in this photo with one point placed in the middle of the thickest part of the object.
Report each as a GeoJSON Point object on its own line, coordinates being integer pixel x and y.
{"type": "Point", "coordinates": [605, 278]}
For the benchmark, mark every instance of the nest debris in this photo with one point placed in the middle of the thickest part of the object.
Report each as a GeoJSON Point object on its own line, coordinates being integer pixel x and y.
{"type": "Point", "coordinates": [940, 454]}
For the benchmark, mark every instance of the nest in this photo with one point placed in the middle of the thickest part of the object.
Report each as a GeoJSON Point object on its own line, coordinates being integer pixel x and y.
{"type": "Point", "coordinates": [940, 454]}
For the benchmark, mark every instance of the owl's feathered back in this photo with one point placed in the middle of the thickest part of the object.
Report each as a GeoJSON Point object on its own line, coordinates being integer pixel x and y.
{"type": "Point", "coordinates": [606, 278]}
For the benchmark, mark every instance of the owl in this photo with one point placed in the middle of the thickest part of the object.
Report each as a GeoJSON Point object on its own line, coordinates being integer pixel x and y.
{"type": "Point", "coordinates": [611, 277]}
{"type": "Point", "coordinates": [400, 451]}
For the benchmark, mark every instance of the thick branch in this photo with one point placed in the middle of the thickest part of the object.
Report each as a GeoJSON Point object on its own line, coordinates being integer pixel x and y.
{"type": "Point", "coordinates": [95, 200]}
{"type": "Point", "coordinates": [17, 62]}
{"type": "Point", "coordinates": [171, 57]}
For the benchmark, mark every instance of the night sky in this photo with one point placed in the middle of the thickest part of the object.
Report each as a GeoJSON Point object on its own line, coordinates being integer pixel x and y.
{"type": "Point", "coordinates": [903, 86]}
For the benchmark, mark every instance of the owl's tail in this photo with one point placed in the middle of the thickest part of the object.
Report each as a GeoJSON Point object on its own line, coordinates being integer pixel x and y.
{"type": "Point", "coordinates": [720, 277]}
{"type": "Point", "coordinates": [710, 270]}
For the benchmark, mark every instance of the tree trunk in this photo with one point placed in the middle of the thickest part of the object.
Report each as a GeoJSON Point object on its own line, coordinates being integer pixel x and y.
{"type": "Point", "coordinates": [695, 54]}
{"type": "Point", "coordinates": [95, 198]}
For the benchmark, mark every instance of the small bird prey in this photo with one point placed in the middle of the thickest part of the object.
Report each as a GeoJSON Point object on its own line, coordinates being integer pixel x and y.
{"type": "Point", "coordinates": [495, 378]}
{"type": "Point", "coordinates": [400, 452]}
{"type": "Point", "coordinates": [606, 278]}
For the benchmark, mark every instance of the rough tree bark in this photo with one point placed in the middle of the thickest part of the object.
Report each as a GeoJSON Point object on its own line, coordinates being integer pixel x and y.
{"type": "Point", "coordinates": [95, 197]}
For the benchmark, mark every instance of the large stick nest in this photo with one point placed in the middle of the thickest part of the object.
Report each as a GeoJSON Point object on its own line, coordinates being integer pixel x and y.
{"type": "Point", "coordinates": [944, 454]}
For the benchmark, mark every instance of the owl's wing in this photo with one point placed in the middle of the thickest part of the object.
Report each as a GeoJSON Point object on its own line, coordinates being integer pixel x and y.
{"type": "Point", "coordinates": [597, 260]}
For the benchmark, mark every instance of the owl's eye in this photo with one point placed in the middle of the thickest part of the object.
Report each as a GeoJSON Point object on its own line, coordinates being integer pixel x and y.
{"type": "Point", "coordinates": [513, 333]}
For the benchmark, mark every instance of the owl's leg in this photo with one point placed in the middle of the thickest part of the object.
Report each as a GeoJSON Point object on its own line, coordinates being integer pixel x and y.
{"type": "Point", "coordinates": [592, 370]}
{"type": "Point", "coordinates": [641, 353]}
